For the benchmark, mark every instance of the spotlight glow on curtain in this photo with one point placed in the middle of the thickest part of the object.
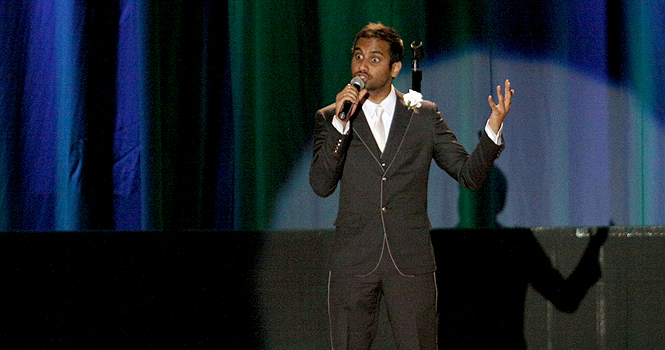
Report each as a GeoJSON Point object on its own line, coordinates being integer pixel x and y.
{"type": "Point", "coordinates": [583, 136]}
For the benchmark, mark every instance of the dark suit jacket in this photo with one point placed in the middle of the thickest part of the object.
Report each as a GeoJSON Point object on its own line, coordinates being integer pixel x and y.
{"type": "Point", "coordinates": [386, 194]}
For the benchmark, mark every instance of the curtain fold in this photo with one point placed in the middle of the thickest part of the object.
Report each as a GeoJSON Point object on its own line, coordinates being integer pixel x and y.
{"type": "Point", "coordinates": [189, 128]}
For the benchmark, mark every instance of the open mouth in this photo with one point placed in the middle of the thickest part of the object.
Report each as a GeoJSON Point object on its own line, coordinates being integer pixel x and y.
{"type": "Point", "coordinates": [362, 76]}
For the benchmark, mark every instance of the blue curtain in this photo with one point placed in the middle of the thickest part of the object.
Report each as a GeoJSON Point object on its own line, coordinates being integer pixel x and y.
{"type": "Point", "coordinates": [97, 121]}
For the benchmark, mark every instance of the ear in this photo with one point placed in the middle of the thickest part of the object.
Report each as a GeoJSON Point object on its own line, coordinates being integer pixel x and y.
{"type": "Point", "coordinates": [394, 70]}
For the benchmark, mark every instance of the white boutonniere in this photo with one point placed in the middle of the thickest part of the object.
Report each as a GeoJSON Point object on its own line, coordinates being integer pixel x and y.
{"type": "Point", "coordinates": [413, 99]}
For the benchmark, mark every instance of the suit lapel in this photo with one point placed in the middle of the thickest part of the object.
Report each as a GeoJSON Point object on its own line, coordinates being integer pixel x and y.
{"type": "Point", "coordinates": [401, 119]}
{"type": "Point", "coordinates": [361, 127]}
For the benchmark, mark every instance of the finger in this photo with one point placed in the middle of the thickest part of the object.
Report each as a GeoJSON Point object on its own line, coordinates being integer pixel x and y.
{"type": "Point", "coordinates": [499, 95]}
{"type": "Point", "coordinates": [491, 102]}
{"type": "Point", "coordinates": [351, 92]}
{"type": "Point", "coordinates": [347, 95]}
{"type": "Point", "coordinates": [341, 102]}
{"type": "Point", "coordinates": [348, 90]}
{"type": "Point", "coordinates": [353, 109]}
{"type": "Point", "coordinates": [509, 91]}
{"type": "Point", "coordinates": [359, 98]}
{"type": "Point", "coordinates": [509, 98]}
{"type": "Point", "coordinates": [362, 95]}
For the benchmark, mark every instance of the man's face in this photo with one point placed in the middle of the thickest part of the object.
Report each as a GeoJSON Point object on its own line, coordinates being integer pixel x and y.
{"type": "Point", "coordinates": [371, 62]}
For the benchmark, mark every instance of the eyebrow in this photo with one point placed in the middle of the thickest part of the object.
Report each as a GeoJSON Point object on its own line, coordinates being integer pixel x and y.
{"type": "Point", "coordinates": [376, 51]}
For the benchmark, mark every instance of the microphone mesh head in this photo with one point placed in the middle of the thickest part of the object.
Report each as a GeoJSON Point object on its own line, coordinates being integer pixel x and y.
{"type": "Point", "coordinates": [358, 83]}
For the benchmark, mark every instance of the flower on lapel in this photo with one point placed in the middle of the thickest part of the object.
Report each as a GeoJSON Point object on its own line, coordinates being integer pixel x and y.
{"type": "Point", "coordinates": [413, 99]}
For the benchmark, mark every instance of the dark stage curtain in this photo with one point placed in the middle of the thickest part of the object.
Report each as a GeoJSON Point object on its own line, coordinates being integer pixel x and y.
{"type": "Point", "coordinates": [115, 115]}
{"type": "Point", "coordinates": [173, 114]}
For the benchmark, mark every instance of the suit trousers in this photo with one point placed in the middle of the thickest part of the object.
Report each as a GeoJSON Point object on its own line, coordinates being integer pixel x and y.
{"type": "Point", "coordinates": [353, 308]}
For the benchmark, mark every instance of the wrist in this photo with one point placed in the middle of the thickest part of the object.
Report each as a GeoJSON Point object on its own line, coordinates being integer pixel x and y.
{"type": "Point", "coordinates": [495, 124]}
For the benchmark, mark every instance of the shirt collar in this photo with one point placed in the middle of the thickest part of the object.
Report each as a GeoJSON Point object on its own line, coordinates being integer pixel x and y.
{"type": "Point", "coordinates": [388, 105]}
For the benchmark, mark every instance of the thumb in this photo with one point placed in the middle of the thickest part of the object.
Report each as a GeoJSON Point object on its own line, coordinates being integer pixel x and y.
{"type": "Point", "coordinates": [362, 96]}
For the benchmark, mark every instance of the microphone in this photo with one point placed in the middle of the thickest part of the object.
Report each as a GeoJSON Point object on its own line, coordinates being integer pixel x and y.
{"type": "Point", "coordinates": [359, 84]}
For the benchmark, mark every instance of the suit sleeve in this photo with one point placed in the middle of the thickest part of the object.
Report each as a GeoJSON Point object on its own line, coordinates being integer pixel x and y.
{"type": "Point", "coordinates": [329, 155]}
{"type": "Point", "coordinates": [470, 170]}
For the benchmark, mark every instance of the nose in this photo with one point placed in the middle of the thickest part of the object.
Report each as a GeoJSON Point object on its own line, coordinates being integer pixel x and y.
{"type": "Point", "coordinates": [363, 65]}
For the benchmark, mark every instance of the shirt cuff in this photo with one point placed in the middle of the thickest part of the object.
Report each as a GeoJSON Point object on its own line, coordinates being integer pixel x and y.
{"type": "Point", "coordinates": [343, 129]}
{"type": "Point", "coordinates": [494, 137]}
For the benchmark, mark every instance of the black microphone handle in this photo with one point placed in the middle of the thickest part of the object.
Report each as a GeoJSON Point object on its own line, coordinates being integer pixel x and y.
{"type": "Point", "coordinates": [346, 108]}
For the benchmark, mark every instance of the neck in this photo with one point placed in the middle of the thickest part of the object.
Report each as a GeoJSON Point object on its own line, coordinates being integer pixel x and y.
{"type": "Point", "coordinates": [380, 95]}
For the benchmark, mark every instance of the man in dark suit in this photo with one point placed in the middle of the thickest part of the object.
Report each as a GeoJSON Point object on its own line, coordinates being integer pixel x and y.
{"type": "Point", "coordinates": [381, 156]}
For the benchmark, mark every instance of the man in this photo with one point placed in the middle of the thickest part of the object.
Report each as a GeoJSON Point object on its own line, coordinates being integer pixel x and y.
{"type": "Point", "coordinates": [381, 156]}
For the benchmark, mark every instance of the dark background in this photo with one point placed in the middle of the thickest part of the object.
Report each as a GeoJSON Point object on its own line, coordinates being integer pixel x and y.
{"type": "Point", "coordinates": [260, 290]}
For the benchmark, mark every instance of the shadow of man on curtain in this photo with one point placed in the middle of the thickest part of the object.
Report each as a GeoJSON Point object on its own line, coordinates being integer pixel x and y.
{"type": "Point", "coordinates": [484, 272]}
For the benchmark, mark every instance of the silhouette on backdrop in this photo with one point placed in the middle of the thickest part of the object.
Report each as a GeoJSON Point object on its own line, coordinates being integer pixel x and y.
{"type": "Point", "coordinates": [484, 273]}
